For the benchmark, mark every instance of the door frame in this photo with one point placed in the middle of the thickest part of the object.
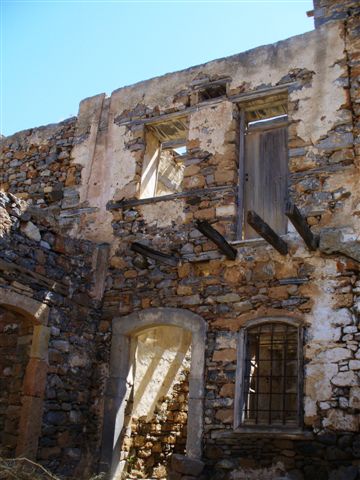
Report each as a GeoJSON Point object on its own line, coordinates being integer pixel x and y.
{"type": "Point", "coordinates": [117, 392]}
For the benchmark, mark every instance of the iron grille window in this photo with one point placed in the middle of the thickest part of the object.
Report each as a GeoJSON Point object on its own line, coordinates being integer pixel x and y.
{"type": "Point", "coordinates": [271, 383]}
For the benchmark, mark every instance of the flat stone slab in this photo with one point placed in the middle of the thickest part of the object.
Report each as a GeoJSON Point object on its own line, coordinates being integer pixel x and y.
{"type": "Point", "coordinates": [187, 466]}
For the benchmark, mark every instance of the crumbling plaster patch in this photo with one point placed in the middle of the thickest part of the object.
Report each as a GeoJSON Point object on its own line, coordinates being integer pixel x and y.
{"type": "Point", "coordinates": [327, 95]}
{"type": "Point", "coordinates": [346, 190]}
{"type": "Point", "coordinates": [210, 125]}
{"type": "Point", "coordinates": [163, 214]}
{"type": "Point", "coordinates": [107, 166]}
{"type": "Point", "coordinates": [322, 322]}
{"type": "Point", "coordinates": [120, 161]}
{"type": "Point", "coordinates": [86, 130]}
{"type": "Point", "coordinates": [323, 330]}
{"type": "Point", "coordinates": [317, 381]}
{"type": "Point", "coordinates": [341, 421]}
{"type": "Point", "coordinates": [341, 240]}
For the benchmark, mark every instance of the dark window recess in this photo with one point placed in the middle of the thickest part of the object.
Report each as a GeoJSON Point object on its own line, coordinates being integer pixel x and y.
{"type": "Point", "coordinates": [212, 91]}
{"type": "Point", "coordinates": [271, 380]}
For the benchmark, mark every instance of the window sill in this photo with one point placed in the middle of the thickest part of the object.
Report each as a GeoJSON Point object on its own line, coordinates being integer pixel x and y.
{"type": "Point", "coordinates": [271, 430]}
{"type": "Point", "coordinates": [293, 433]}
{"type": "Point", "coordinates": [217, 254]}
{"type": "Point", "coordinates": [251, 242]}
{"type": "Point", "coordinates": [254, 242]}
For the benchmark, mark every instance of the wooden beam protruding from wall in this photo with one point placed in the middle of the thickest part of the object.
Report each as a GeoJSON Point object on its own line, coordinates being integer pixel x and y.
{"type": "Point", "coordinates": [266, 232]}
{"type": "Point", "coordinates": [301, 225]}
{"type": "Point", "coordinates": [155, 255]}
{"type": "Point", "coordinates": [206, 229]}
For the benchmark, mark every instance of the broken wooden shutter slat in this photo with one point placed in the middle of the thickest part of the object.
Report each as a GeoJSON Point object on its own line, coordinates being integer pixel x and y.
{"type": "Point", "coordinates": [301, 225]}
{"type": "Point", "coordinates": [241, 177]}
{"type": "Point", "coordinates": [273, 158]}
{"type": "Point", "coordinates": [252, 198]}
{"type": "Point", "coordinates": [206, 229]}
{"type": "Point", "coordinates": [155, 255]}
{"type": "Point", "coordinates": [263, 229]}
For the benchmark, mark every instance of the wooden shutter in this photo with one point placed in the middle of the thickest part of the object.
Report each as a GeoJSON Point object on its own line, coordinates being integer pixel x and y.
{"type": "Point", "coordinates": [265, 175]}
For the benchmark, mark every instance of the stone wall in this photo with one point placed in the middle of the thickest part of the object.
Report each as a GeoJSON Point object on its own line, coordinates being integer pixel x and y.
{"type": "Point", "coordinates": [227, 294]}
{"type": "Point", "coordinates": [38, 263]}
{"type": "Point", "coordinates": [99, 172]}
{"type": "Point", "coordinates": [321, 290]}
{"type": "Point", "coordinates": [35, 163]}
{"type": "Point", "coordinates": [155, 440]}
{"type": "Point", "coordinates": [332, 10]}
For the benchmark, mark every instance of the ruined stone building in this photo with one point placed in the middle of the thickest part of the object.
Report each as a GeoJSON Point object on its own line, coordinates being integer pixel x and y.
{"type": "Point", "coordinates": [180, 270]}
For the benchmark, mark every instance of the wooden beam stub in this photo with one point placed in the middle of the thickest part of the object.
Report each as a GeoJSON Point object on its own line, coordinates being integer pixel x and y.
{"type": "Point", "coordinates": [266, 232]}
{"type": "Point", "coordinates": [301, 225]}
{"type": "Point", "coordinates": [206, 229]}
{"type": "Point", "coordinates": [155, 255]}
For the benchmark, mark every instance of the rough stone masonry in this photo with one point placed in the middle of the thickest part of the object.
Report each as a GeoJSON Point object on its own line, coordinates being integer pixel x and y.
{"type": "Point", "coordinates": [149, 327]}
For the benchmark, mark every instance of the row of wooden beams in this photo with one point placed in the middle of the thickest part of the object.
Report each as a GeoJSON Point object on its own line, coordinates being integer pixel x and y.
{"type": "Point", "coordinates": [256, 222]}
{"type": "Point", "coordinates": [205, 228]}
{"type": "Point", "coordinates": [296, 218]}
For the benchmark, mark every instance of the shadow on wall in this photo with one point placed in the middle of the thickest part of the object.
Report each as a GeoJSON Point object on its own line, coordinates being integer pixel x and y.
{"type": "Point", "coordinates": [15, 343]}
{"type": "Point", "coordinates": [156, 416]}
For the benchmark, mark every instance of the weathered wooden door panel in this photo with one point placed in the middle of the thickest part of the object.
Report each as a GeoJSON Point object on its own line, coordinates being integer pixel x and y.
{"type": "Point", "coordinates": [266, 176]}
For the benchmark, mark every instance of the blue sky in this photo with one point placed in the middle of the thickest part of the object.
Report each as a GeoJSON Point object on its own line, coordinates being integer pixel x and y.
{"type": "Point", "coordinates": [55, 53]}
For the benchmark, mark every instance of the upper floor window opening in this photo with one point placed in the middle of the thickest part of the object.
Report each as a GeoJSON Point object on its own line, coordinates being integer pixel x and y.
{"type": "Point", "coordinates": [164, 159]}
{"type": "Point", "coordinates": [211, 91]}
{"type": "Point", "coordinates": [263, 163]}
{"type": "Point", "coordinates": [206, 90]}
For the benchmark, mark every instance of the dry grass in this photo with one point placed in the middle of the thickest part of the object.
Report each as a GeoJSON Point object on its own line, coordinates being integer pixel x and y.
{"type": "Point", "coordinates": [25, 469]}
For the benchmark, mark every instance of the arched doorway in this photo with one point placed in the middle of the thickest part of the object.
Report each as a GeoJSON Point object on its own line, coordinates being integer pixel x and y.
{"type": "Point", "coordinates": [129, 335]}
{"type": "Point", "coordinates": [24, 339]}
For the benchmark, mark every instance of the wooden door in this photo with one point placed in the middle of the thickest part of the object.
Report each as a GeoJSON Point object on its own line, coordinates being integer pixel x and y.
{"type": "Point", "coordinates": [265, 175]}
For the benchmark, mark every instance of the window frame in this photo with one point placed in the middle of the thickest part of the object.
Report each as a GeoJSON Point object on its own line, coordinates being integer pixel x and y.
{"type": "Point", "coordinates": [240, 377]}
{"type": "Point", "coordinates": [243, 109]}
{"type": "Point", "coordinates": [155, 143]}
